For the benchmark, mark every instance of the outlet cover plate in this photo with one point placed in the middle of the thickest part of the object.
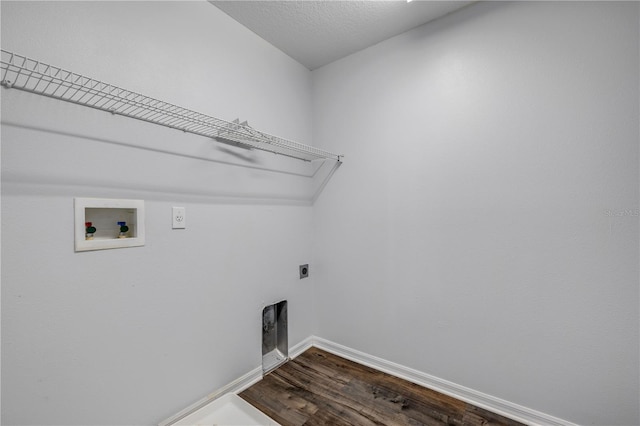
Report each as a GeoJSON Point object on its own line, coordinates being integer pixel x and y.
{"type": "Point", "coordinates": [304, 271]}
{"type": "Point", "coordinates": [179, 218]}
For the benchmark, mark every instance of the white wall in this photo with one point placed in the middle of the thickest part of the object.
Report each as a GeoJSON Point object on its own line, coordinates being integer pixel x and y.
{"type": "Point", "coordinates": [484, 227]}
{"type": "Point", "coordinates": [132, 336]}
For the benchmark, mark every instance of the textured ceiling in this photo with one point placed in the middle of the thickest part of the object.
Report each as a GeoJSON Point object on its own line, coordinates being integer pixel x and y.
{"type": "Point", "coordinates": [316, 33]}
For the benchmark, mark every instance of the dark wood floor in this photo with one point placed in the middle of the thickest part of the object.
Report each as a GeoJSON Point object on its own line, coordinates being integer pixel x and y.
{"type": "Point", "coordinates": [319, 388]}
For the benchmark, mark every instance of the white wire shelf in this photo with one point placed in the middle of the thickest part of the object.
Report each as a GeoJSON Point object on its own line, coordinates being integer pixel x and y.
{"type": "Point", "coordinates": [23, 73]}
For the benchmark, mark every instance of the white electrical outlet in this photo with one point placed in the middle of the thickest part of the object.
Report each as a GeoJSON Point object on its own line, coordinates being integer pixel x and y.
{"type": "Point", "coordinates": [179, 218]}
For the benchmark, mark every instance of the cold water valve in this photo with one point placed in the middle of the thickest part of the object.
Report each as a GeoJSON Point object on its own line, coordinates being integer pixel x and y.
{"type": "Point", "coordinates": [123, 229]}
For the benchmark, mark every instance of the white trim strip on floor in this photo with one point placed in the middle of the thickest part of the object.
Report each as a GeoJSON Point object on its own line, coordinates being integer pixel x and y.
{"type": "Point", "coordinates": [236, 386]}
{"type": "Point", "coordinates": [499, 406]}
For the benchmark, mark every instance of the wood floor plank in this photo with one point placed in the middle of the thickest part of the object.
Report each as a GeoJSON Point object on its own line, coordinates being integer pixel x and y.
{"type": "Point", "coordinates": [319, 388]}
{"type": "Point", "coordinates": [285, 404]}
{"type": "Point", "coordinates": [403, 396]}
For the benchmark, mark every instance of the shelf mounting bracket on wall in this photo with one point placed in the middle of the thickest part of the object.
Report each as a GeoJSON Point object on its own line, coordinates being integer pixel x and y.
{"type": "Point", "coordinates": [23, 73]}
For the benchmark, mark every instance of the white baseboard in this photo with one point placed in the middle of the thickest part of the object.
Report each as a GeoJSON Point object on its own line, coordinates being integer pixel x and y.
{"type": "Point", "coordinates": [236, 386]}
{"type": "Point", "coordinates": [296, 350]}
{"type": "Point", "coordinates": [479, 399]}
{"type": "Point", "coordinates": [499, 406]}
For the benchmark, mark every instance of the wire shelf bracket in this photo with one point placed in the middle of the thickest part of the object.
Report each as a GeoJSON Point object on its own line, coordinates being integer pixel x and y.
{"type": "Point", "coordinates": [29, 75]}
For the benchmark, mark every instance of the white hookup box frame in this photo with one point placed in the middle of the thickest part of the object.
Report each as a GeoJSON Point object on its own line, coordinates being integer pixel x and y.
{"type": "Point", "coordinates": [105, 215]}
